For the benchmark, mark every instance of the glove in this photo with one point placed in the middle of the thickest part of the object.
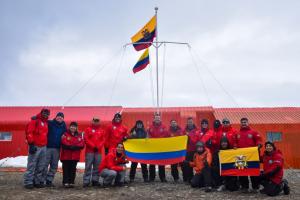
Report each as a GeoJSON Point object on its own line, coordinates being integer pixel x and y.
{"type": "Point", "coordinates": [95, 149]}
{"type": "Point", "coordinates": [32, 149]}
{"type": "Point", "coordinates": [259, 146]}
{"type": "Point", "coordinates": [206, 163]}
{"type": "Point", "coordinates": [209, 143]}
{"type": "Point", "coordinates": [124, 139]}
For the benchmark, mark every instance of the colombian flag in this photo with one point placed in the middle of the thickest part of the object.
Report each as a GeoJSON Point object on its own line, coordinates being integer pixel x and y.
{"type": "Point", "coordinates": [239, 162]}
{"type": "Point", "coordinates": [156, 151]}
{"type": "Point", "coordinates": [146, 34]}
{"type": "Point", "coordinates": [142, 62]}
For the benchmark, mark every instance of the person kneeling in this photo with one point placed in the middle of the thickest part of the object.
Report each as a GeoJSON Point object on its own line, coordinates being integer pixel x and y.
{"type": "Point", "coordinates": [273, 172]}
{"type": "Point", "coordinates": [201, 163]}
{"type": "Point", "coordinates": [113, 167]}
{"type": "Point", "coordinates": [72, 143]}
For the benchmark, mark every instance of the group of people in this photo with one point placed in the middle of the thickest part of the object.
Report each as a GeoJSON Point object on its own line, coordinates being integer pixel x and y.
{"type": "Point", "coordinates": [51, 140]}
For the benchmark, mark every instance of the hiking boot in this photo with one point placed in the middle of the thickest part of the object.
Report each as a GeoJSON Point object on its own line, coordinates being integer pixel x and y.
{"type": "Point", "coordinates": [29, 186]}
{"type": "Point", "coordinates": [96, 184]}
{"type": "Point", "coordinates": [163, 180]}
{"type": "Point", "coordinates": [41, 185]}
{"type": "Point", "coordinates": [176, 180]}
{"type": "Point", "coordinates": [262, 191]}
{"type": "Point", "coordinates": [221, 188]}
{"type": "Point", "coordinates": [131, 180]}
{"type": "Point", "coordinates": [86, 185]}
{"type": "Point", "coordinates": [286, 188]}
{"type": "Point", "coordinates": [208, 189]}
{"type": "Point", "coordinates": [66, 185]}
{"type": "Point", "coordinates": [49, 184]}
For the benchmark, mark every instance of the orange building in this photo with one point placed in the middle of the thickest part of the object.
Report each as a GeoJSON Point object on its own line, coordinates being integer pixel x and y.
{"type": "Point", "coordinates": [281, 125]}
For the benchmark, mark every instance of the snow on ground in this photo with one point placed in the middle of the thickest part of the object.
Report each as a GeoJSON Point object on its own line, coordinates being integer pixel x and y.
{"type": "Point", "coordinates": [21, 162]}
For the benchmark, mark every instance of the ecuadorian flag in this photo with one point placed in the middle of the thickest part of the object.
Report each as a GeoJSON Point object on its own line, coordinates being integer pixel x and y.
{"type": "Point", "coordinates": [142, 62]}
{"type": "Point", "coordinates": [239, 162]}
{"type": "Point", "coordinates": [146, 34]}
{"type": "Point", "coordinates": [156, 151]}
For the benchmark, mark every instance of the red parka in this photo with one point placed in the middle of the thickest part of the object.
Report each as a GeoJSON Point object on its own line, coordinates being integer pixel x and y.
{"type": "Point", "coordinates": [271, 162]}
{"type": "Point", "coordinates": [115, 134]}
{"type": "Point", "coordinates": [94, 137]}
{"type": "Point", "coordinates": [174, 133]}
{"type": "Point", "coordinates": [72, 144]}
{"type": "Point", "coordinates": [37, 131]}
{"type": "Point", "coordinates": [113, 162]}
{"type": "Point", "coordinates": [193, 138]}
{"type": "Point", "coordinates": [247, 137]}
{"type": "Point", "coordinates": [230, 133]}
{"type": "Point", "coordinates": [206, 135]}
{"type": "Point", "coordinates": [158, 131]}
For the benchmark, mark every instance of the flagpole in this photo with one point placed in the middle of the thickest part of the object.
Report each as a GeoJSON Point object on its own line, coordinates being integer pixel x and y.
{"type": "Point", "coordinates": [156, 46]}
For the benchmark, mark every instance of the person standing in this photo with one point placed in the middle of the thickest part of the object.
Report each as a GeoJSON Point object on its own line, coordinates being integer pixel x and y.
{"type": "Point", "coordinates": [138, 132]}
{"type": "Point", "coordinates": [36, 136]}
{"type": "Point", "coordinates": [94, 138]}
{"type": "Point", "coordinates": [56, 128]}
{"type": "Point", "coordinates": [174, 131]}
{"type": "Point", "coordinates": [217, 135]}
{"type": "Point", "coordinates": [72, 143]}
{"type": "Point", "coordinates": [206, 135]}
{"type": "Point", "coordinates": [193, 138]}
{"type": "Point", "coordinates": [248, 137]}
{"type": "Point", "coordinates": [116, 132]}
{"type": "Point", "coordinates": [113, 167]}
{"type": "Point", "coordinates": [157, 130]}
{"type": "Point", "coordinates": [229, 132]}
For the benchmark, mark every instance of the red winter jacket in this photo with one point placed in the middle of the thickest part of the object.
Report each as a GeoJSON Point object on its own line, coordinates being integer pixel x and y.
{"type": "Point", "coordinates": [94, 137]}
{"type": "Point", "coordinates": [193, 138]}
{"type": "Point", "coordinates": [216, 139]}
{"type": "Point", "coordinates": [174, 133]}
{"type": "Point", "coordinates": [205, 135]}
{"type": "Point", "coordinates": [37, 131]}
{"type": "Point", "coordinates": [158, 131]}
{"type": "Point", "coordinates": [271, 162]}
{"type": "Point", "coordinates": [113, 162]}
{"type": "Point", "coordinates": [248, 138]}
{"type": "Point", "coordinates": [115, 134]}
{"type": "Point", "coordinates": [230, 133]}
{"type": "Point", "coordinates": [71, 146]}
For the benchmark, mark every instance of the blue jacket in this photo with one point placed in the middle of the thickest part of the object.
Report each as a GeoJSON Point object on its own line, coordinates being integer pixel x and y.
{"type": "Point", "coordinates": [55, 131]}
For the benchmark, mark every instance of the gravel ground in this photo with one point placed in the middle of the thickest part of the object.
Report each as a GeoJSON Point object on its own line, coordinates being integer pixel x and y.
{"type": "Point", "coordinates": [11, 188]}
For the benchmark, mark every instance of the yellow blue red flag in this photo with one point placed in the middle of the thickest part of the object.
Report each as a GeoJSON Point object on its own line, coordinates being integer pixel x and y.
{"type": "Point", "coordinates": [240, 162]}
{"type": "Point", "coordinates": [145, 36]}
{"type": "Point", "coordinates": [142, 62]}
{"type": "Point", "coordinates": [156, 151]}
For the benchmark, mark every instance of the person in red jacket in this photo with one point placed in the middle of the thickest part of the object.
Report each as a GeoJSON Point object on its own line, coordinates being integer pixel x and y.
{"type": "Point", "coordinates": [174, 131]}
{"type": "Point", "coordinates": [248, 137]}
{"type": "Point", "coordinates": [116, 132]}
{"type": "Point", "coordinates": [272, 176]}
{"type": "Point", "coordinates": [71, 143]}
{"type": "Point", "coordinates": [217, 135]}
{"type": "Point", "coordinates": [113, 167]}
{"type": "Point", "coordinates": [157, 130]}
{"type": "Point", "coordinates": [94, 138]}
{"type": "Point", "coordinates": [36, 136]}
{"type": "Point", "coordinates": [193, 137]}
{"type": "Point", "coordinates": [228, 132]}
{"type": "Point", "coordinates": [206, 135]}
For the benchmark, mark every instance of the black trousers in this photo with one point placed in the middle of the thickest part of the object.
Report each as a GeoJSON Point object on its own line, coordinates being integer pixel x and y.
{"type": "Point", "coordinates": [231, 183]}
{"type": "Point", "coordinates": [245, 182]}
{"type": "Point", "coordinates": [187, 170]}
{"type": "Point", "coordinates": [161, 172]}
{"type": "Point", "coordinates": [174, 170]}
{"type": "Point", "coordinates": [202, 179]}
{"type": "Point", "coordinates": [69, 171]}
{"type": "Point", "coordinates": [133, 170]}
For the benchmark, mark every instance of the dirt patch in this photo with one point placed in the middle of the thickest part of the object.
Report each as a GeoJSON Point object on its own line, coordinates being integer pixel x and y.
{"type": "Point", "coordinates": [11, 188]}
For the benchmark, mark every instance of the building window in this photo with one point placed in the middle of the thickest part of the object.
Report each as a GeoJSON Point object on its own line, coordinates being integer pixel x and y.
{"type": "Point", "coordinates": [274, 136]}
{"type": "Point", "coordinates": [5, 136]}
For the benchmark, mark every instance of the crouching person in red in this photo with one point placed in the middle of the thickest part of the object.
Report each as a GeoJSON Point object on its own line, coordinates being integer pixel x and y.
{"type": "Point", "coordinates": [273, 172]}
{"type": "Point", "coordinates": [113, 167]}
{"type": "Point", "coordinates": [201, 164]}
{"type": "Point", "coordinates": [72, 143]}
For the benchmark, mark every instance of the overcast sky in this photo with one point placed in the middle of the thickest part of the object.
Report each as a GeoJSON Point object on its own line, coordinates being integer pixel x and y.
{"type": "Point", "coordinates": [247, 53]}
